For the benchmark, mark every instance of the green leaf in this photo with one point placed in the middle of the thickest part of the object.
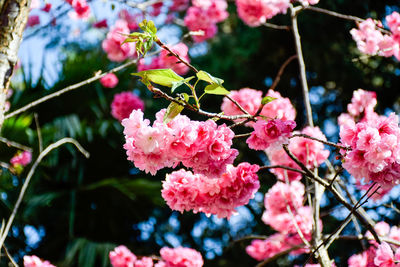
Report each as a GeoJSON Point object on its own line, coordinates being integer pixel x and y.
{"type": "Point", "coordinates": [267, 99]}
{"type": "Point", "coordinates": [164, 77]}
{"type": "Point", "coordinates": [215, 89]}
{"type": "Point", "coordinates": [173, 110]}
{"type": "Point", "coordinates": [204, 76]}
{"type": "Point", "coordinates": [175, 85]}
{"type": "Point", "coordinates": [148, 26]}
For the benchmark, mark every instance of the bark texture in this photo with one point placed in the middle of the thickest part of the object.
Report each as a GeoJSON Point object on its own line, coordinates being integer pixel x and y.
{"type": "Point", "coordinates": [13, 18]}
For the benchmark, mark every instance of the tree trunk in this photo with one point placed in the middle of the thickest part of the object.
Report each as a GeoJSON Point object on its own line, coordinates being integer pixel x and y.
{"type": "Point", "coordinates": [13, 18]}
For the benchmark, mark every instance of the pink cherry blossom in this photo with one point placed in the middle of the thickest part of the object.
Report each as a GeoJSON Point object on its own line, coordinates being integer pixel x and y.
{"type": "Point", "coordinates": [198, 19]}
{"type": "Point", "coordinates": [358, 260]}
{"type": "Point", "coordinates": [101, 24]}
{"type": "Point", "coordinates": [271, 134]}
{"type": "Point", "coordinates": [181, 257]}
{"type": "Point", "coordinates": [47, 7]}
{"type": "Point", "coordinates": [249, 99]}
{"type": "Point", "coordinates": [110, 80]}
{"type": "Point", "coordinates": [375, 144]}
{"type": "Point", "coordinates": [179, 5]}
{"type": "Point", "coordinates": [21, 158]}
{"type": "Point", "coordinates": [384, 256]}
{"type": "Point", "coordinates": [184, 191]}
{"type": "Point", "coordinates": [280, 108]}
{"type": "Point", "coordinates": [112, 45]}
{"type": "Point", "coordinates": [123, 104]}
{"type": "Point", "coordinates": [282, 195]}
{"type": "Point", "coordinates": [81, 9]}
{"type": "Point", "coordinates": [34, 261]}
{"type": "Point", "coordinates": [311, 153]}
{"type": "Point", "coordinates": [170, 62]}
{"type": "Point", "coordinates": [144, 262]}
{"type": "Point", "coordinates": [131, 20]}
{"type": "Point", "coordinates": [362, 102]}
{"type": "Point", "coordinates": [267, 248]}
{"type": "Point", "coordinates": [33, 20]}
{"type": "Point", "coordinates": [256, 12]}
{"type": "Point", "coordinates": [122, 257]}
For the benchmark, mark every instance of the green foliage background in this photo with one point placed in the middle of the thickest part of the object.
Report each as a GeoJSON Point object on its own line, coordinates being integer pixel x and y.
{"type": "Point", "coordinates": [85, 208]}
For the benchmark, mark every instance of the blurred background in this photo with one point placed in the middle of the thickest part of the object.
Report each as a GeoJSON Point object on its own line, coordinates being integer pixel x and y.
{"type": "Point", "coordinates": [76, 210]}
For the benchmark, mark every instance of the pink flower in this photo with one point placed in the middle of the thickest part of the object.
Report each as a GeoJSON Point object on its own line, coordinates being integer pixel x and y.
{"type": "Point", "coordinates": [256, 12]}
{"type": "Point", "coordinates": [144, 262]}
{"type": "Point", "coordinates": [280, 108]}
{"type": "Point", "coordinates": [47, 7]}
{"type": "Point", "coordinates": [81, 9]}
{"type": "Point", "coordinates": [267, 248]}
{"type": "Point", "coordinates": [35, 4]}
{"type": "Point", "coordinates": [33, 20]}
{"type": "Point", "coordinates": [112, 45]}
{"type": "Point", "coordinates": [271, 134]}
{"type": "Point", "coordinates": [375, 144]}
{"type": "Point", "coordinates": [198, 19]}
{"type": "Point", "coordinates": [122, 257]}
{"type": "Point", "coordinates": [384, 256]}
{"type": "Point", "coordinates": [156, 63]}
{"type": "Point", "coordinates": [310, 153]}
{"type": "Point", "coordinates": [110, 80]}
{"type": "Point", "coordinates": [21, 158]}
{"type": "Point", "coordinates": [100, 24]}
{"type": "Point", "coordinates": [393, 21]}
{"type": "Point", "coordinates": [367, 37]}
{"type": "Point", "coordinates": [184, 191]}
{"type": "Point", "coordinates": [249, 99]}
{"type": "Point", "coordinates": [124, 103]}
{"type": "Point", "coordinates": [362, 102]}
{"type": "Point", "coordinates": [170, 62]}
{"type": "Point", "coordinates": [281, 195]}
{"type": "Point", "coordinates": [130, 19]}
{"type": "Point", "coordinates": [34, 261]}
{"type": "Point", "coordinates": [358, 260]}
{"type": "Point", "coordinates": [179, 5]}
{"type": "Point", "coordinates": [181, 257]}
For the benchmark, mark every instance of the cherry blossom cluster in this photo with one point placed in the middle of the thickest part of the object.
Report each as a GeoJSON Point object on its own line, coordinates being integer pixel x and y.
{"type": "Point", "coordinates": [375, 149]}
{"type": "Point", "coordinates": [81, 9]}
{"type": "Point", "coordinates": [256, 12]}
{"type": "Point", "coordinates": [250, 100]}
{"type": "Point", "coordinates": [203, 16]}
{"type": "Point", "coordinates": [285, 213]}
{"type": "Point", "coordinates": [124, 103]}
{"type": "Point", "coordinates": [21, 159]}
{"type": "Point", "coordinates": [203, 146]}
{"type": "Point", "coordinates": [379, 255]}
{"type": "Point", "coordinates": [113, 44]}
{"type": "Point", "coordinates": [184, 191]}
{"type": "Point", "coordinates": [311, 153]}
{"type": "Point", "coordinates": [167, 61]}
{"type": "Point", "coordinates": [34, 261]}
{"type": "Point", "coordinates": [110, 80]}
{"type": "Point", "coordinates": [371, 41]}
{"type": "Point", "coordinates": [121, 256]}
{"type": "Point", "coordinates": [270, 134]}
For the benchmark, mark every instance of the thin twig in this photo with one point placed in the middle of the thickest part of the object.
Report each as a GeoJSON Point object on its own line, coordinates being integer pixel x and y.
{"type": "Point", "coordinates": [280, 72]}
{"type": "Point", "coordinates": [10, 257]}
{"type": "Point", "coordinates": [72, 87]}
{"type": "Point", "coordinates": [321, 141]}
{"type": "Point", "coordinates": [282, 167]}
{"type": "Point", "coordinates": [15, 144]}
{"type": "Point", "coordinates": [343, 224]}
{"type": "Point", "coordinates": [277, 255]}
{"type": "Point", "coordinates": [336, 194]}
{"type": "Point", "coordinates": [276, 27]}
{"type": "Point", "coordinates": [342, 16]}
{"type": "Point", "coordinates": [303, 76]}
{"type": "Point", "coordinates": [354, 237]}
{"type": "Point", "coordinates": [237, 104]}
{"type": "Point", "coordinates": [29, 177]}
{"type": "Point", "coordinates": [242, 135]}
{"type": "Point", "coordinates": [39, 133]}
